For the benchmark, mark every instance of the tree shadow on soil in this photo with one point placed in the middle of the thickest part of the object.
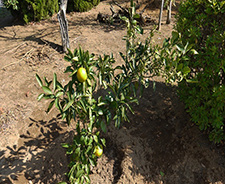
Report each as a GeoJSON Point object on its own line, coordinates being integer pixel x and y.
{"type": "Point", "coordinates": [159, 143]}
{"type": "Point", "coordinates": [42, 41]}
{"type": "Point", "coordinates": [42, 35]}
{"type": "Point", "coordinates": [39, 155]}
{"type": "Point", "coordinates": [164, 145]}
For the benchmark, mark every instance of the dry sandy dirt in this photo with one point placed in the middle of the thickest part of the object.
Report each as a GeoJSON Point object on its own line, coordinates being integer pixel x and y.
{"type": "Point", "coordinates": [159, 145]}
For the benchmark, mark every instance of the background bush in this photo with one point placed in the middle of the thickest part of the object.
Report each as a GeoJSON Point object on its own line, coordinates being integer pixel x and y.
{"type": "Point", "coordinates": [81, 5]}
{"type": "Point", "coordinates": [33, 10]}
{"type": "Point", "coordinates": [202, 23]}
{"type": "Point", "coordinates": [36, 10]}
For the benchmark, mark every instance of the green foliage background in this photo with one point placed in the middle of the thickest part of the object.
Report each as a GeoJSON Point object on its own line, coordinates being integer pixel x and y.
{"type": "Point", "coordinates": [202, 24]}
{"type": "Point", "coordinates": [36, 10]}
{"type": "Point", "coordinates": [33, 10]}
{"type": "Point", "coordinates": [81, 5]}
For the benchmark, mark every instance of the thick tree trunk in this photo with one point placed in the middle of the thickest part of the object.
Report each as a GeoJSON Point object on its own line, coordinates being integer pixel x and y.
{"type": "Point", "coordinates": [160, 15]}
{"type": "Point", "coordinates": [169, 12]}
{"type": "Point", "coordinates": [63, 25]}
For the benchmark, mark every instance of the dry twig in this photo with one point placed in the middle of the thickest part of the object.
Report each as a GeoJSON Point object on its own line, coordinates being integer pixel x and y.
{"type": "Point", "coordinates": [19, 60]}
{"type": "Point", "coordinates": [14, 48]}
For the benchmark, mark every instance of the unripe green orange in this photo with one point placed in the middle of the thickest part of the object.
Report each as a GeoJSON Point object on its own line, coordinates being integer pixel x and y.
{"type": "Point", "coordinates": [81, 74]}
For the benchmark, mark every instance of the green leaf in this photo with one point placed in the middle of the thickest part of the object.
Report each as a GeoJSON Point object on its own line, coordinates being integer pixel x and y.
{"type": "Point", "coordinates": [79, 173]}
{"type": "Point", "coordinates": [154, 86]}
{"type": "Point", "coordinates": [103, 142]}
{"type": "Point", "coordinates": [186, 70]}
{"type": "Point", "coordinates": [88, 149]}
{"type": "Point", "coordinates": [103, 126]}
{"type": "Point", "coordinates": [50, 106]}
{"type": "Point", "coordinates": [97, 133]}
{"type": "Point", "coordinates": [124, 18]}
{"type": "Point", "coordinates": [82, 180]}
{"type": "Point", "coordinates": [68, 105]}
{"type": "Point", "coordinates": [40, 96]}
{"type": "Point", "coordinates": [54, 81]}
{"type": "Point", "coordinates": [139, 30]}
{"type": "Point", "coordinates": [87, 178]}
{"type": "Point", "coordinates": [77, 151]}
{"type": "Point", "coordinates": [64, 116]}
{"type": "Point", "coordinates": [89, 82]}
{"type": "Point", "coordinates": [59, 86]}
{"type": "Point", "coordinates": [180, 66]}
{"type": "Point", "coordinates": [130, 108]}
{"type": "Point", "coordinates": [87, 168]}
{"type": "Point", "coordinates": [175, 35]}
{"type": "Point", "coordinates": [68, 69]}
{"type": "Point", "coordinates": [70, 53]}
{"type": "Point", "coordinates": [161, 173]}
{"type": "Point", "coordinates": [86, 140]}
{"type": "Point", "coordinates": [179, 47]}
{"type": "Point", "coordinates": [59, 93]}
{"type": "Point", "coordinates": [39, 80]}
{"type": "Point", "coordinates": [46, 82]}
{"type": "Point", "coordinates": [92, 162]}
{"type": "Point", "coordinates": [65, 145]}
{"type": "Point", "coordinates": [108, 117]}
{"type": "Point", "coordinates": [101, 103]}
{"type": "Point", "coordinates": [192, 80]}
{"type": "Point", "coordinates": [46, 89]}
{"type": "Point", "coordinates": [194, 51]}
{"type": "Point", "coordinates": [90, 141]}
{"type": "Point", "coordinates": [100, 112]}
{"type": "Point", "coordinates": [136, 16]}
{"type": "Point", "coordinates": [95, 138]}
{"type": "Point", "coordinates": [74, 72]}
{"type": "Point", "coordinates": [62, 182]}
{"type": "Point", "coordinates": [69, 151]}
{"type": "Point", "coordinates": [66, 58]}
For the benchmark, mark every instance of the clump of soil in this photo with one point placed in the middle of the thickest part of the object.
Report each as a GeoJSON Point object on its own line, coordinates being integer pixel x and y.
{"type": "Point", "coordinates": [159, 144]}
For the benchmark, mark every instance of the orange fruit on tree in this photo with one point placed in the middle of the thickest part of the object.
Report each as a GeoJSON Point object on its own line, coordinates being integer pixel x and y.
{"type": "Point", "coordinates": [98, 151]}
{"type": "Point", "coordinates": [81, 74]}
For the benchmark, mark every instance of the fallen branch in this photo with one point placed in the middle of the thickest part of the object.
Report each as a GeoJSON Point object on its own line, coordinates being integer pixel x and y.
{"type": "Point", "coordinates": [17, 61]}
{"type": "Point", "coordinates": [15, 48]}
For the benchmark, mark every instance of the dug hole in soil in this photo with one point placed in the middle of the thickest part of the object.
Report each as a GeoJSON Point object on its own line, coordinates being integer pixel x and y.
{"type": "Point", "coordinates": [159, 145]}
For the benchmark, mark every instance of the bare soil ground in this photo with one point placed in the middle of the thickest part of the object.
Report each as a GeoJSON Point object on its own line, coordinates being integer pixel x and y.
{"type": "Point", "coordinates": [159, 145]}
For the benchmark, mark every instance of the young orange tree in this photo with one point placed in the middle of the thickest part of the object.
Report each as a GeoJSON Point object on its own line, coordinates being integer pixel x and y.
{"type": "Point", "coordinates": [123, 85]}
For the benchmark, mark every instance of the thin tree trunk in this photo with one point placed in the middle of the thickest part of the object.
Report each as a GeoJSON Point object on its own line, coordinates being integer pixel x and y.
{"type": "Point", "coordinates": [63, 25]}
{"type": "Point", "coordinates": [160, 15]}
{"type": "Point", "coordinates": [169, 12]}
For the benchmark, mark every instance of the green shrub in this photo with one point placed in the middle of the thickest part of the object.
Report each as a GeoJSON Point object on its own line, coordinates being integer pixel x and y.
{"type": "Point", "coordinates": [10, 4]}
{"type": "Point", "coordinates": [36, 10]}
{"type": "Point", "coordinates": [202, 24]}
{"type": "Point", "coordinates": [32, 10]}
{"type": "Point", "coordinates": [81, 5]}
